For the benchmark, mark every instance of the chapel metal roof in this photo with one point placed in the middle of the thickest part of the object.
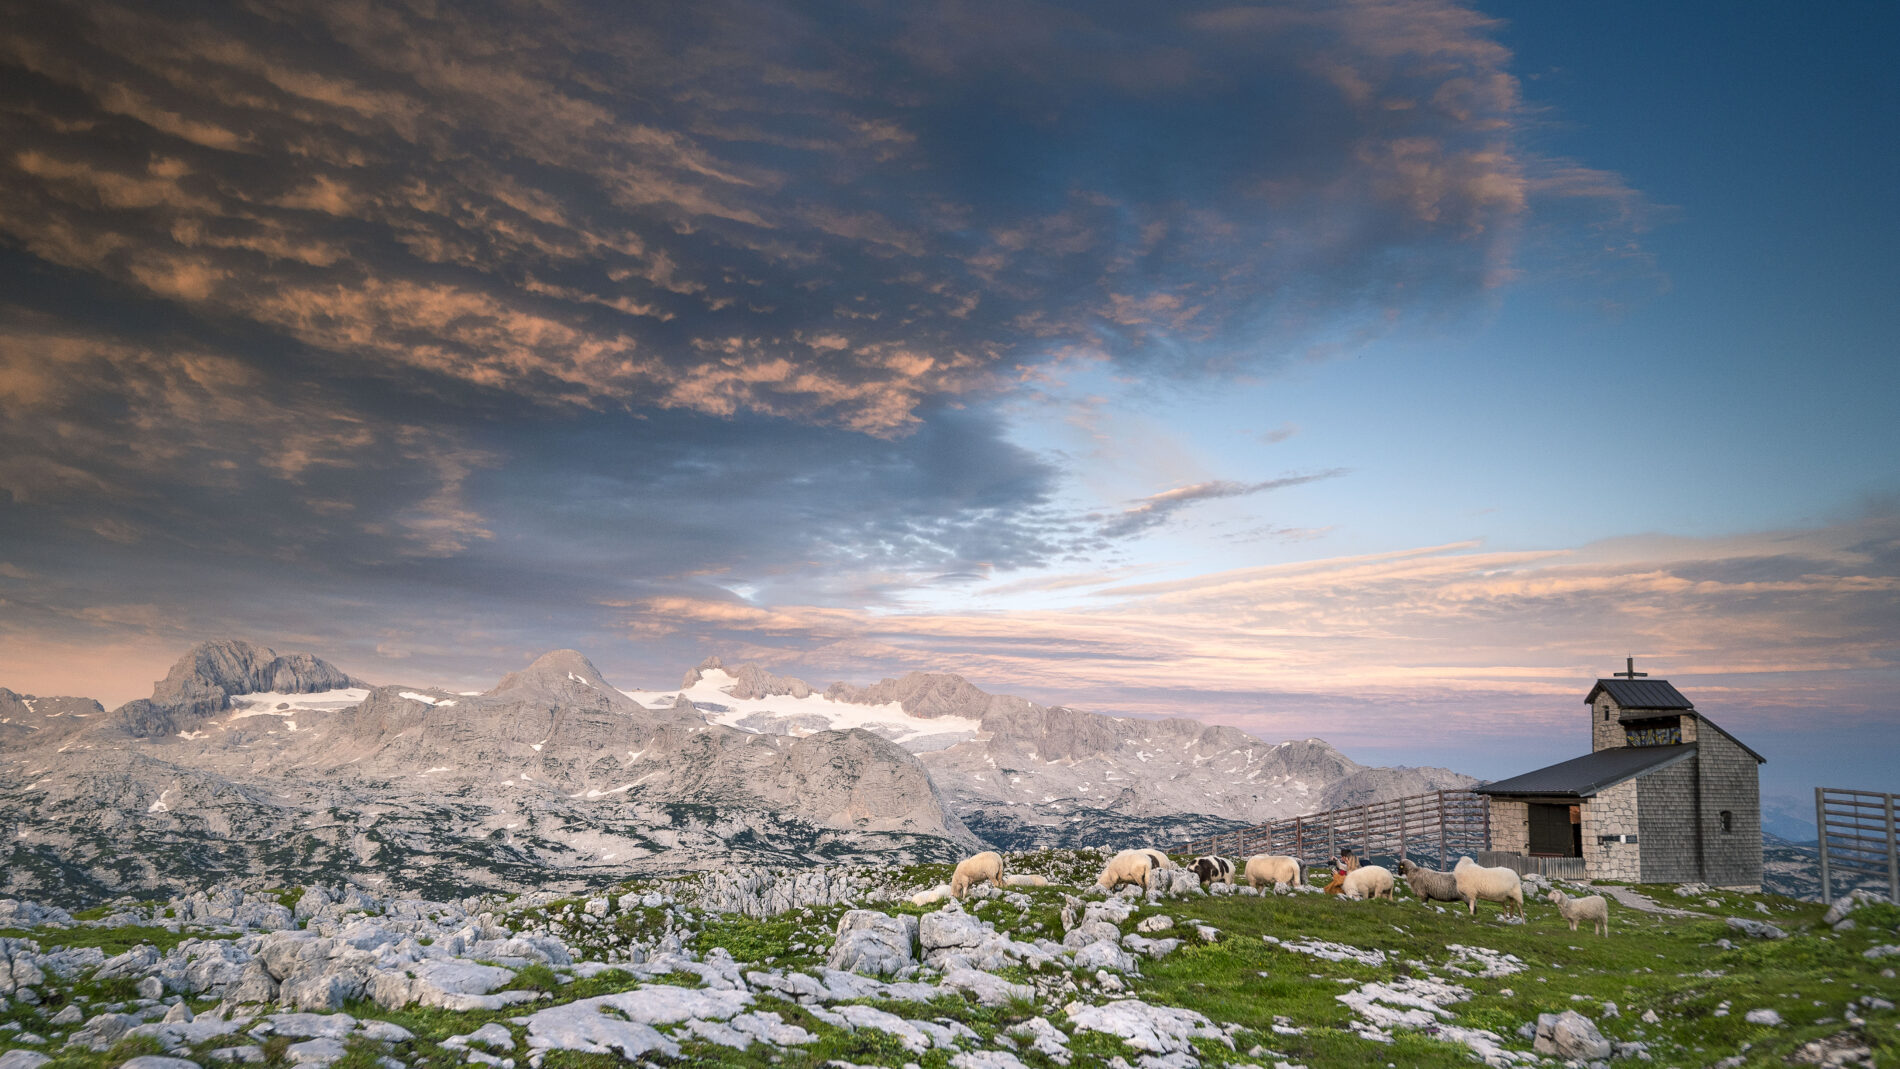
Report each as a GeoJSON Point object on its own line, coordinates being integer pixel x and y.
{"type": "Point", "coordinates": [1640, 694]}
{"type": "Point", "coordinates": [1583, 777]}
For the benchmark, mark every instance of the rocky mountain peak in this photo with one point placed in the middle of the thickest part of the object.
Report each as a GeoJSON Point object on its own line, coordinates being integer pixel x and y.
{"type": "Point", "coordinates": [698, 671]}
{"type": "Point", "coordinates": [561, 675]}
{"type": "Point", "coordinates": [925, 694]}
{"type": "Point", "coordinates": [203, 681]}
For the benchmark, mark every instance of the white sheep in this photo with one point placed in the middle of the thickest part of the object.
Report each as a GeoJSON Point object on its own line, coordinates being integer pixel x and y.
{"type": "Point", "coordinates": [1265, 870]}
{"type": "Point", "coordinates": [1366, 881]}
{"type": "Point", "coordinates": [1129, 866]}
{"type": "Point", "coordinates": [1024, 879]}
{"type": "Point", "coordinates": [975, 869]}
{"type": "Point", "coordinates": [1430, 884]}
{"type": "Point", "coordinates": [932, 896]}
{"type": "Point", "coordinates": [1592, 908]}
{"type": "Point", "coordinates": [1213, 869]}
{"type": "Point", "coordinates": [1498, 884]}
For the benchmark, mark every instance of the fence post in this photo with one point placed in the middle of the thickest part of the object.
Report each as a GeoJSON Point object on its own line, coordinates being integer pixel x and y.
{"type": "Point", "coordinates": [1893, 857]}
{"type": "Point", "coordinates": [1441, 832]}
{"type": "Point", "coordinates": [1820, 828]}
{"type": "Point", "coordinates": [1401, 830]}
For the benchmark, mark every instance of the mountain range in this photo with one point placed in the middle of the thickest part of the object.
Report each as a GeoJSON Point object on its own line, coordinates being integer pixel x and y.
{"type": "Point", "coordinates": [247, 764]}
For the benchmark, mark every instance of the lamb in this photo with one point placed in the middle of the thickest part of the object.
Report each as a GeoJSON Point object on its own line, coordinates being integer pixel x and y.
{"type": "Point", "coordinates": [1366, 881]}
{"type": "Point", "coordinates": [931, 896]}
{"type": "Point", "coordinates": [1129, 866]}
{"type": "Point", "coordinates": [1590, 908]}
{"type": "Point", "coordinates": [1491, 884]}
{"type": "Point", "coordinates": [1431, 884]}
{"type": "Point", "coordinates": [1024, 879]}
{"type": "Point", "coordinates": [975, 869]}
{"type": "Point", "coordinates": [1265, 870]}
{"type": "Point", "coordinates": [1213, 869]}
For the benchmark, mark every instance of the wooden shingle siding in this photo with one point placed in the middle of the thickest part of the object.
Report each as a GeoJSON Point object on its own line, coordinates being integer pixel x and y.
{"type": "Point", "coordinates": [1666, 822]}
{"type": "Point", "coordinates": [1730, 781]}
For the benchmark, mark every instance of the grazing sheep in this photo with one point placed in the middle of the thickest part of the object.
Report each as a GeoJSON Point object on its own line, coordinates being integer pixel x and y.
{"type": "Point", "coordinates": [1366, 881]}
{"type": "Point", "coordinates": [1590, 908]}
{"type": "Point", "coordinates": [1431, 884]}
{"type": "Point", "coordinates": [1213, 869]}
{"type": "Point", "coordinates": [932, 896]}
{"type": "Point", "coordinates": [1024, 879]}
{"type": "Point", "coordinates": [1491, 884]}
{"type": "Point", "coordinates": [1265, 870]}
{"type": "Point", "coordinates": [975, 869]}
{"type": "Point", "coordinates": [1129, 866]}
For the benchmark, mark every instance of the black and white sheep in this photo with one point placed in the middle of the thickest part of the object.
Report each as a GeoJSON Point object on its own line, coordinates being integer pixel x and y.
{"type": "Point", "coordinates": [1213, 869]}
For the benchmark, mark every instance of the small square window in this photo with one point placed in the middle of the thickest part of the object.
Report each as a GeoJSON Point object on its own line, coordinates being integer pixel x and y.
{"type": "Point", "coordinates": [1728, 820]}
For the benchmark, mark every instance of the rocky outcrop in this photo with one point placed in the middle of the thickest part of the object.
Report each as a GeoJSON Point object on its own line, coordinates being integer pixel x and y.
{"type": "Point", "coordinates": [30, 720]}
{"type": "Point", "coordinates": [752, 681]}
{"type": "Point", "coordinates": [203, 681]}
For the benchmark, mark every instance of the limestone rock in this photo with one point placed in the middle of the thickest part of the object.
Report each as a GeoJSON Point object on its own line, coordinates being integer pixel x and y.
{"type": "Point", "coordinates": [874, 943]}
{"type": "Point", "coordinates": [1758, 929]}
{"type": "Point", "coordinates": [155, 1061]}
{"type": "Point", "coordinates": [1570, 1035]}
{"type": "Point", "coordinates": [1848, 903]}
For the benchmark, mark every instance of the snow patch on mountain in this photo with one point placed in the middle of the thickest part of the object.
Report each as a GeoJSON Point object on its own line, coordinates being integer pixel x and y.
{"type": "Point", "coordinates": [277, 703]}
{"type": "Point", "coordinates": [711, 693]}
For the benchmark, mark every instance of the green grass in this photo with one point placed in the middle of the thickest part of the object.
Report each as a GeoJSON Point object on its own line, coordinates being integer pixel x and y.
{"type": "Point", "coordinates": [112, 941]}
{"type": "Point", "coordinates": [1670, 964]}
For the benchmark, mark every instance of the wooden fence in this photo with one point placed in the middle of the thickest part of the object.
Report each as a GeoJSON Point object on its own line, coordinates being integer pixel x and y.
{"type": "Point", "coordinates": [1857, 837]}
{"type": "Point", "coordinates": [1447, 822]}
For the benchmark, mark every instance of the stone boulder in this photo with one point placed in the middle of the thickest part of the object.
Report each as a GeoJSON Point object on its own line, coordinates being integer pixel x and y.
{"type": "Point", "coordinates": [1758, 929]}
{"type": "Point", "coordinates": [873, 943]}
{"type": "Point", "coordinates": [951, 929]}
{"type": "Point", "coordinates": [1571, 1036]}
{"type": "Point", "coordinates": [1848, 903]}
{"type": "Point", "coordinates": [320, 992]}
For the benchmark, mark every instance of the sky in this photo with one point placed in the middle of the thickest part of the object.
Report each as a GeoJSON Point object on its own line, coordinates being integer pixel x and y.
{"type": "Point", "coordinates": [1380, 371]}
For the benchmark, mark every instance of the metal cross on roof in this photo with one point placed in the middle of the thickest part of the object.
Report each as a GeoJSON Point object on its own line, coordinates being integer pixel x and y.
{"type": "Point", "coordinates": [1629, 670]}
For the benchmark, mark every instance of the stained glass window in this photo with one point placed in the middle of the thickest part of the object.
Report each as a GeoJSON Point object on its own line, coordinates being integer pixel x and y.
{"type": "Point", "coordinates": [1670, 735]}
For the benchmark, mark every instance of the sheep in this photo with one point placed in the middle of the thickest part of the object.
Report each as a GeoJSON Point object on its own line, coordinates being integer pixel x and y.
{"type": "Point", "coordinates": [1366, 881]}
{"type": "Point", "coordinates": [1213, 869]}
{"type": "Point", "coordinates": [1265, 870]}
{"type": "Point", "coordinates": [1431, 885]}
{"type": "Point", "coordinates": [1491, 884]}
{"type": "Point", "coordinates": [1129, 866]}
{"type": "Point", "coordinates": [1590, 908]}
{"type": "Point", "coordinates": [932, 896]}
{"type": "Point", "coordinates": [1024, 879]}
{"type": "Point", "coordinates": [975, 869]}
